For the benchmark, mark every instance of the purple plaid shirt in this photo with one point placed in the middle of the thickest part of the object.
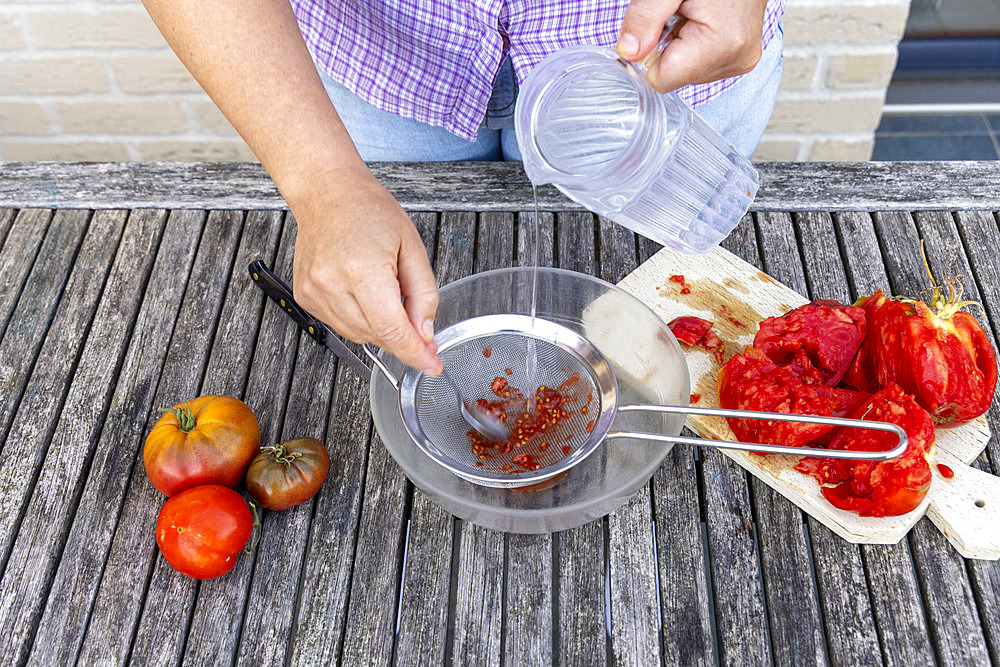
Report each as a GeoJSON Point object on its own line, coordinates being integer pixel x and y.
{"type": "Point", "coordinates": [435, 61]}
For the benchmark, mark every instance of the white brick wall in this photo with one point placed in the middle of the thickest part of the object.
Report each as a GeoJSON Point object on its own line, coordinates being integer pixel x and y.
{"type": "Point", "coordinates": [839, 56]}
{"type": "Point", "coordinates": [94, 80]}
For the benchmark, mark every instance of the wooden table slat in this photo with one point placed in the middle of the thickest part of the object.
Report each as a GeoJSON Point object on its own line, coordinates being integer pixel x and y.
{"type": "Point", "coordinates": [333, 541]}
{"type": "Point", "coordinates": [268, 621]}
{"type": "Point", "coordinates": [105, 314]}
{"type": "Point", "coordinates": [92, 473]}
{"type": "Point", "coordinates": [214, 629]}
{"type": "Point", "coordinates": [6, 220]}
{"type": "Point", "coordinates": [838, 567]}
{"type": "Point", "coordinates": [17, 257]}
{"type": "Point", "coordinates": [488, 186]}
{"type": "Point", "coordinates": [36, 305]}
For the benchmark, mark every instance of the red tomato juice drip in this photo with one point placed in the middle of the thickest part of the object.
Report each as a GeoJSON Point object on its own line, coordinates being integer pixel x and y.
{"type": "Point", "coordinates": [679, 279]}
{"type": "Point", "coordinates": [945, 471]}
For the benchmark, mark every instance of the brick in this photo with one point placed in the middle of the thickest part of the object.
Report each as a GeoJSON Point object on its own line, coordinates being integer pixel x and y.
{"type": "Point", "coordinates": [192, 150]}
{"type": "Point", "coordinates": [777, 150]}
{"type": "Point", "coordinates": [798, 71]}
{"type": "Point", "coordinates": [43, 75]}
{"type": "Point", "coordinates": [872, 70]}
{"type": "Point", "coordinates": [843, 150]}
{"type": "Point", "coordinates": [207, 118]}
{"type": "Point", "coordinates": [89, 151]}
{"type": "Point", "coordinates": [23, 118]}
{"type": "Point", "coordinates": [825, 116]}
{"type": "Point", "coordinates": [127, 116]}
{"type": "Point", "coordinates": [845, 23]}
{"type": "Point", "coordinates": [107, 27]}
{"type": "Point", "coordinates": [153, 73]}
{"type": "Point", "coordinates": [10, 33]}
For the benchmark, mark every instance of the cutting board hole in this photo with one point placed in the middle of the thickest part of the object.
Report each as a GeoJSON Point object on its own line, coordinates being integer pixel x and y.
{"type": "Point", "coordinates": [980, 503]}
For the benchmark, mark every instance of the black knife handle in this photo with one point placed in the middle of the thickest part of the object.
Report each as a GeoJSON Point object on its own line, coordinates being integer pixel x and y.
{"type": "Point", "coordinates": [282, 295]}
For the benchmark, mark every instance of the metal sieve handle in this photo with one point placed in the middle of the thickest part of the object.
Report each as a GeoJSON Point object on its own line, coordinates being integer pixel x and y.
{"type": "Point", "coordinates": [379, 364]}
{"type": "Point", "coordinates": [772, 416]}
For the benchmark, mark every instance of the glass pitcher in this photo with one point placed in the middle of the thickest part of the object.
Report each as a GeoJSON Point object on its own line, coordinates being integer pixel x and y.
{"type": "Point", "coordinates": [589, 123]}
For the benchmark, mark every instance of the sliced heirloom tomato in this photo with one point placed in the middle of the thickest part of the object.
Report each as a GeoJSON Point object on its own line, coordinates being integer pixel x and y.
{"type": "Point", "coordinates": [818, 339]}
{"type": "Point", "coordinates": [938, 353]}
{"type": "Point", "coordinates": [879, 488]}
{"type": "Point", "coordinates": [751, 381]}
{"type": "Point", "coordinates": [861, 372]}
{"type": "Point", "coordinates": [202, 530]}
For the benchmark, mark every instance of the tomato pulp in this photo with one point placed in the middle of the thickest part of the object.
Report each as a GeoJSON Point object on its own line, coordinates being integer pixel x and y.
{"type": "Point", "coordinates": [533, 431]}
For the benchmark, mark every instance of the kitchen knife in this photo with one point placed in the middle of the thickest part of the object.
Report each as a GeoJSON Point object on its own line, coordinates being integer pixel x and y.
{"type": "Point", "coordinates": [282, 295]}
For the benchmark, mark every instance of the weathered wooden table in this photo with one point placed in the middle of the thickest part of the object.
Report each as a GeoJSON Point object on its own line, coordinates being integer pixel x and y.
{"type": "Point", "coordinates": [123, 288]}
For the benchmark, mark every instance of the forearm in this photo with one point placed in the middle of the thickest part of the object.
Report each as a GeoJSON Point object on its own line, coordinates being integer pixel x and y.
{"type": "Point", "coordinates": [252, 61]}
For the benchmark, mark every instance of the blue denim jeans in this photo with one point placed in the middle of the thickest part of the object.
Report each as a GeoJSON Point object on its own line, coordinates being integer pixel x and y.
{"type": "Point", "coordinates": [740, 114]}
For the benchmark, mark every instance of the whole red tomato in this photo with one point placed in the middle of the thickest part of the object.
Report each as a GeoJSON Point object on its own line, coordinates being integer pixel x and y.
{"type": "Point", "coordinates": [818, 339]}
{"type": "Point", "coordinates": [942, 355]}
{"type": "Point", "coordinates": [201, 531]}
{"type": "Point", "coordinates": [879, 488]}
{"type": "Point", "coordinates": [751, 381]}
{"type": "Point", "coordinates": [210, 440]}
{"type": "Point", "coordinates": [285, 475]}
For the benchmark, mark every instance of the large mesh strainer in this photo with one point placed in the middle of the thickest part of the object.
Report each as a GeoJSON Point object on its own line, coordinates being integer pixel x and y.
{"type": "Point", "coordinates": [489, 355]}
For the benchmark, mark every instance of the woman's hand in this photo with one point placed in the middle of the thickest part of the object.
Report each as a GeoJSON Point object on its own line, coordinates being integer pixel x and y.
{"type": "Point", "coordinates": [714, 40]}
{"type": "Point", "coordinates": [361, 267]}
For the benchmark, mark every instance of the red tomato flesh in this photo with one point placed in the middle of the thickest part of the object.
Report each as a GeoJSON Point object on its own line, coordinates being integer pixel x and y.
{"type": "Point", "coordinates": [819, 339]}
{"type": "Point", "coordinates": [945, 360]}
{"type": "Point", "coordinates": [689, 329]}
{"type": "Point", "coordinates": [751, 381]}
{"type": "Point", "coordinates": [879, 488]}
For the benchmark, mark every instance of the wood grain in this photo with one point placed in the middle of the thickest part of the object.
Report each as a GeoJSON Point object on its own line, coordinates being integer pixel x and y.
{"type": "Point", "coordinates": [18, 255]}
{"type": "Point", "coordinates": [64, 512]}
{"type": "Point", "coordinates": [133, 556]}
{"type": "Point", "coordinates": [483, 186]}
{"type": "Point", "coordinates": [33, 312]}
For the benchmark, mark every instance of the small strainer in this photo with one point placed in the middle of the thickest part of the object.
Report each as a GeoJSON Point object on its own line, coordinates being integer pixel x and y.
{"type": "Point", "coordinates": [498, 357]}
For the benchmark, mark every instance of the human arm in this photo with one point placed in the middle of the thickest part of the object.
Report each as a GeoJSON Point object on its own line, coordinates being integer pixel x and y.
{"type": "Point", "coordinates": [360, 265]}
{"type": "Point", "coordinates": [716, 40]}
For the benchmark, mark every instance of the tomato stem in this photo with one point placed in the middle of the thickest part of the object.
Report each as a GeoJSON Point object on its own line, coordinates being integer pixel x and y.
{"type": "Point", "coordinates": [185, 419]}
{"type": "Point", "coordinates": [248, 549]}
{"type": "Point", "coordinates": [280, 455]}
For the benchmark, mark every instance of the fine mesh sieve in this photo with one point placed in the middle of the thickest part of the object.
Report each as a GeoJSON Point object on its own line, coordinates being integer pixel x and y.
{"type": "Point", "coordinates": [493, 354]}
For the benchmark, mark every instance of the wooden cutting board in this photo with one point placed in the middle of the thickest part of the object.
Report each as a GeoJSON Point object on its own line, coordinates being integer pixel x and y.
{"type": "Point", "coordinates": [736, 296]}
